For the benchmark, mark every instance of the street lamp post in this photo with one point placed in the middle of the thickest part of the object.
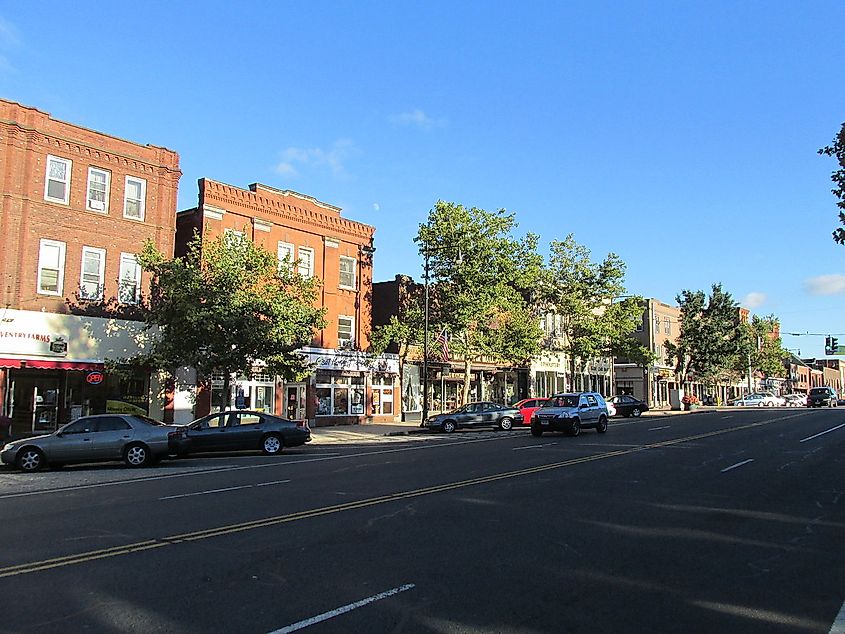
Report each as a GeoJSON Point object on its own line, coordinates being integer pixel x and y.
{"type": "Point", "coordinates": [425, 341]}
{"type": "Point", "coordinates": [426, 253]}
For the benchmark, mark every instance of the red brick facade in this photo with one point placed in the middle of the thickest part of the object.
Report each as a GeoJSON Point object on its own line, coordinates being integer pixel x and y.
{"type": "Point", "coordinates": [29, 136]}
{"type": "Point", "coordinates": [269, 217]}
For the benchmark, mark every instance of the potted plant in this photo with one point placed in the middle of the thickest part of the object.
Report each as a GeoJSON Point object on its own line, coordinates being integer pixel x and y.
{"type": "Point", "coordinates": [690, 401]}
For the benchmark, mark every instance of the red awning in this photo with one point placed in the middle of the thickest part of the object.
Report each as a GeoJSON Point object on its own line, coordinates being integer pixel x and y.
{"type": "Point", "coordinates": [49, 364]}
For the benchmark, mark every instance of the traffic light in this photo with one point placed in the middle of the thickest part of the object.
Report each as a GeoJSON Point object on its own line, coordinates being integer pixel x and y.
{"type": "Point", "coordinates": [827, 348]}
{"type": "Point", "coordinates": [834, 345]}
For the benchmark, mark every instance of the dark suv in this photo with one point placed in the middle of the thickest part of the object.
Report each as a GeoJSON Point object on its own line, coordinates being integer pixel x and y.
{"type": "Point", "coordinates": [570, 413]}
{"type": "Point", "coordinates": [822, 397]}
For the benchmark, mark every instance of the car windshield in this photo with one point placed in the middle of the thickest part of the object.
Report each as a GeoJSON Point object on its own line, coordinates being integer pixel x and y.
{"type": "Point", "coordinates": [562, 400]}
{"type": "Point", "coordinates": [818, 390]}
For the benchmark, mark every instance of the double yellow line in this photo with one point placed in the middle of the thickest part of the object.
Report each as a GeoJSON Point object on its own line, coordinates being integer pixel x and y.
{"type": "Point", "coordinates": [152, 544]}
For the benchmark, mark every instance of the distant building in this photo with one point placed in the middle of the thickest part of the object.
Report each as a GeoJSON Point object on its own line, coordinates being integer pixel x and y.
{"type": "Point", "coordinates": [77, 207]}
{"type": "Point", "coordinates": [660, 324]}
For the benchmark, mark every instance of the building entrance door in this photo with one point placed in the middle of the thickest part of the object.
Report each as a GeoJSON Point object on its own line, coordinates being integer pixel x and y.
{"type": "Point", "coordinates": [295, 401]}
{"type": "Point", "coordinates": [35, 402]}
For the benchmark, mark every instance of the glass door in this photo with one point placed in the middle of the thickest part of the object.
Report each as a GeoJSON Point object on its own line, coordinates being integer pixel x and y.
{"type": "Point", "coordinates": [295, 401]}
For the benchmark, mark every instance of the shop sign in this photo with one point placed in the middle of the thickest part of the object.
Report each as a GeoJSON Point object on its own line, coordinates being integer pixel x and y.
{"type": "Point", "coordinates": [94, 377]}
{"type": "Point", "coordinates": [353, 361]}
{"type": "Point", "coordinates": [36, 343]}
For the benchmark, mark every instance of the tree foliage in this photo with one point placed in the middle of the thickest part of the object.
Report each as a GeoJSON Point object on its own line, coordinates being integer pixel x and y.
{"type": "Point", "coordinates": [837, 150]}
{"type": "Point", "coordinates": [582, 294]}
{"type": "Point", "coordinates": [711, 342]}
{"type": "Point", "coordinates": [762, 347]}
{"type": "Point", "coordinates": [227, 304]}
{"type": "Point", "coordinates": [481, 281]}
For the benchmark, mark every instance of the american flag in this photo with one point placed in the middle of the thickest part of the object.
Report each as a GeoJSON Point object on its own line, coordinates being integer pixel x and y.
{"type": "Point", "coordinates": [443, 342]}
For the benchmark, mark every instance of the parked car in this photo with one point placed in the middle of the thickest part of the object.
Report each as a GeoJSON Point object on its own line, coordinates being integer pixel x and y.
{"type": "Point", "coordinates": [571, 413]}
{"type": "Point", "coordinates": [759, 399]}
{"type": "Point", "coordinates": [527, 407]}
{"type": "Point", "coordinates": [796, 400]}
{"type": "Point", "coordinates": [237, 430]}
{"type": "Point", "coordinates": [482, 414]}
{"type": "Point", "coordinates": [137, 440]}
{"type": "Point", "coordinates": [822, 397]}
{"type": "Point", "coordinates": [627, 405]}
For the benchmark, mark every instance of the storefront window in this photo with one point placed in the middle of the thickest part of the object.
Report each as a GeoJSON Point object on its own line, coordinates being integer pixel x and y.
{"type": "Point", "coordinates": [339, 395]}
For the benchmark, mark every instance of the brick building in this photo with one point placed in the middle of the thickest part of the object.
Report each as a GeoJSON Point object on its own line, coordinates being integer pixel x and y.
{"type": "Point", "coordinates": [77, 206]}
{"type": "Point", "coordinates": [348, 385]}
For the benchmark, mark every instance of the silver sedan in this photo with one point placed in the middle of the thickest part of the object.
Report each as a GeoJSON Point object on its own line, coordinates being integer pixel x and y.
{"type": "Point", "coordinates": [137, 440]}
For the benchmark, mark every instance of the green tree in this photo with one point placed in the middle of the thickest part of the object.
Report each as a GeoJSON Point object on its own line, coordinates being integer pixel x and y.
{"type": "Point", "coordinates": [711, 341]}
{"type": "Point", "coordinates": [837, 149]}
{"type": "Point", "coordinates": [481, 283]}
{"type": "Point", "coordinates": [761, 346]}
{"type": "Point", "coordinates": [583, 295]}
{"type": "Point", "coordinates": [227, 304]}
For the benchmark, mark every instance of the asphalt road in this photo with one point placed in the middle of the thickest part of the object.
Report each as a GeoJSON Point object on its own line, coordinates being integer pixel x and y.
{"type": "Point", "coordinates": [725, 521]}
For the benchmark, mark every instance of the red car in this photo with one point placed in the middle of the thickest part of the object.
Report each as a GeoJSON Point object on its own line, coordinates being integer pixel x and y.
{"type": "Point", "coordinates": [528, 406]}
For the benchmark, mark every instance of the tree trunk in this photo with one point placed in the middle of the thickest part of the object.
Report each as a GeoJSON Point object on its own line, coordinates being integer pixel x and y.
{"type": "Point", "coordinates": [467, 376]}
{"type": "Point", "coordinates": [227, 380]}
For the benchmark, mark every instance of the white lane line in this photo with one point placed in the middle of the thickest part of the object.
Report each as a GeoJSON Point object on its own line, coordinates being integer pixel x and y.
{"type": "Point", "coordinates": [246, 486]}
{"type": "Point", "coordinates": [724, 417]}
{"type": "Point", "coordinates": [827, 431]}
{"type": "Point", "coordinates": [325, 616]}
{"type": "Point", "coordinates": [527, 447]}
{"type": "Point", "coordinates": [838, 626]}
{"type": "Point", "coordinates": [738, 464]}
{"type": "Point", "coordinates": [656, 428]}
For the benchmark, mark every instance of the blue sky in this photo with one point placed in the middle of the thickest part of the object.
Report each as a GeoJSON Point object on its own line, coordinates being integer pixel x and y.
{"type": "Point", "coordinates": [680, 135]}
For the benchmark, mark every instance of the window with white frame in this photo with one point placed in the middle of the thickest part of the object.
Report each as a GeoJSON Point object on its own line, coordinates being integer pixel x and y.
{"type": "Point", "coordinates": [667, 328]}
{"type": "Point", "coordinates": [129, 279]}
{"type": "Point", "coordinates": [306, 262]}
{"type": "Point", "coordinates": [339, 395]}
{"type": "Point", "coordinates": [51, 267]}
{"type": "Point", "coordinates": [57, 180]}
{"type": "Point", "coordinates": [97, 198]}
{"type": "Point", "coordinates": [134, 198]}
{"type": "Point", "coordinates": [286, 255]}
{"type": "Point", "coordinates": [347, 272]}
{"type": "Point", "coordinates": [657, 323]}
{"type": "Point", "coordinates": [232, 236]}
{"type": "Point", "coordinates": [93, 273]}
{"type": "Point", "coordinates": [345, 329]}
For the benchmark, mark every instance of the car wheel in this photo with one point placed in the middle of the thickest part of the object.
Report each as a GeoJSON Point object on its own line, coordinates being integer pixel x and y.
{"type": "Point", "coordinates": [30, 459]}
{"type": "Point", "coordinates": [636, 412]}
{"type": "Point", "coordinates": [575, 429]}
{"type": "Point", "coordinates": [272, 444]}
{"type": "Point", "coordinates": [506, 424]}
{"type": "Point", "coordinates": [449, 426]}
{"type": "Point", "coordinates": [602, 426]}
{"type": "Point", "coordinates": [536, 432]}
{"type": "Point", "coordinates": [137, 455]}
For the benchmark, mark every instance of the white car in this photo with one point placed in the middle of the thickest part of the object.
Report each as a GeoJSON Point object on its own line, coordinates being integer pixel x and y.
{"type": "Point", "coordinates": [760, 399]}
{"type": "Point", "coordinates": [796, 400]}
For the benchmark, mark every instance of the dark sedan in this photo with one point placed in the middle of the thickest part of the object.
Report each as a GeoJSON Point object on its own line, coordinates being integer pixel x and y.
{"type": "Point", "coordinates": [240, 430]}
{"type": "Point", "coordinates": [627, 405]}
{"type": "Point", "coordinates": [483, 414]}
